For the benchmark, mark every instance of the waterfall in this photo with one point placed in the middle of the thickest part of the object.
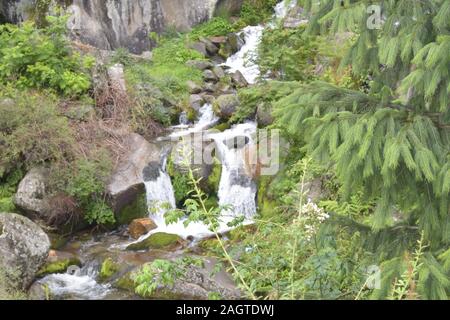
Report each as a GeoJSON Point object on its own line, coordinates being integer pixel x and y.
{"type": "Point", "coordinates": [206, 119]}
{"type": "Point", "coordinates": [245, 59]}
{"type": "Point", "coordinates": [236, 189]}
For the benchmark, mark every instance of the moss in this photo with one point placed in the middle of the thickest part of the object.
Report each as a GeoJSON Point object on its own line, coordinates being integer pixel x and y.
{"type": "Point", "coordinates": [222, 127]}
{"type": "Point", "coordinates": [210, 245]}
{"type": "Point", "coordinates": [213, 181]}
{"type": "Point", "coordinates": [135, 210]}
{"type": "Point", "coordinates": [125, 282]}
{"type": "Point", "coordinates": [58, 266]}
{"type": "Point", "coordinates": [180, 182]}
{"type": "Point", "coordinates": [108, 269]}
{"type": "Point", "coordinates": [158, 240]}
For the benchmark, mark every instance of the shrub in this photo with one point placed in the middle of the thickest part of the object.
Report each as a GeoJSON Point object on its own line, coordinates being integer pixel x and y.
{"type": "Point", "coordinates": [31, 130]}
{"type": "Point", "coordinates": [215, 27]}
{"type": "Point", "coordinates": [41, 58]}
{"type": "Point", "coordinates": [256, 11]}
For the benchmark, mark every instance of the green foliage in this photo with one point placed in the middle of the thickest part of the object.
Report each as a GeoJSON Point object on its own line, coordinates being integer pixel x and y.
{"type": "Point", "coordinates": [86, 183]}
{"type": "Point", "coordinates": [161, 273]}
{"type": "Point", "coordinates": [287, 54]}
{"type": "Point", "coordinates": [8, 186]}
{"type": "Point", "coordinates": [31, 130]}
{"type": "Point", "coordinates": [108, 269]}
{"type": "Point", "coordinates": [215, 27]}
{"type": "Point", "coordinates": [254, 12]}
{"type": "Point", "coordinates": [41, 58]}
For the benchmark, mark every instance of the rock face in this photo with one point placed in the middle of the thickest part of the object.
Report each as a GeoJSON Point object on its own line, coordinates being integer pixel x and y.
{"type": "Point", "coordinates": [126, 187]}
{"type": "Point", "coordinates": [110, 24]}
{"type": "Point", "coordinates": [24, 249]}
{"type": "Point", "coordinates": [30, 196]}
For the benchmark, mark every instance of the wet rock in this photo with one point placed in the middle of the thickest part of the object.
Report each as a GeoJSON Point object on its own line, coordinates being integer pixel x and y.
{"type": "Point", "coordinates": [196, 101]}
{"type": "Point", "coordinates": [58, 262]}
{"type": "Point", "coordinates": [158, 240]}
{"type": "Point", "coordinates": [139, 227]}
{"type": "Point", "coordinates": [126, 190]}
{"type": "Point", "coordinates": [31, 193]}
{"type": "Point", "coordinates": [209, 75]}
{"type": "Point", "coordinates": [239, 80]}
{"type": "Point", "coordinates": [226, 105]}
{"type": "Point", "coordinates": [235, 42]}
{"type": "Point", "coordinates": [24, 249]}
{"type": "Point", "coordinates": [200, 64]}
{"type": "Point", "coordinates": [237, 142]}
{"type": "Point", "coordinates": [193, 87]}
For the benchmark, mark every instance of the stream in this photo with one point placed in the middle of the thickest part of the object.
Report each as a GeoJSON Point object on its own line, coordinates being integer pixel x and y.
{"type": "Point", "coordinates": [236, 190]}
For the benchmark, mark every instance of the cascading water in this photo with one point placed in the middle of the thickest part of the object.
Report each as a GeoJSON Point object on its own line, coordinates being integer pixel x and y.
{"type": "Point", "coordinates": [80, 284]}
{"type": "Point", "coordinates": [245, 59]}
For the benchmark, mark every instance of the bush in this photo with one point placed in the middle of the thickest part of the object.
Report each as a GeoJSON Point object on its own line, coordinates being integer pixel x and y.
{"type": "Point", "coordinates": [31, 130]}
{"type": "Point", "coordinates": [215, 27]}
{"type": "Point", "coordinates": [41, 58]}
{"type": "Point", "coordinates": [256, 11]}
{"type": "Point", "coordinates": [287, 54]}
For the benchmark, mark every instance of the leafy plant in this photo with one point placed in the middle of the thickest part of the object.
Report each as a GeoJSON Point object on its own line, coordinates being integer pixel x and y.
{"type": "Point", "coordinates": [42, 58]}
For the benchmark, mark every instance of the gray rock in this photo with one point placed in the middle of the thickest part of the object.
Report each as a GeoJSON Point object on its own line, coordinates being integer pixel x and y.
{"type": "Point", "coordinates": [264, 116]}
{"type": "Point", "coordinates": [196, 101]}
{"type": "Point", "coordinates": [218, 71]}
{"type": "Point", "coordinates": [226, 105]}
{"type": "Point", "coordinates": [211, 48]}
{"type": "Point", "coordinates": [200, 47]}
{"type": "Point", "coordinates": [209, 75]}
{"type": "Point", "coordinates": [126, 184]}
{"type": "Point", "coordinates": [239, 80]}
{"type": "Point", "coordinates": [24, 249]}
{"type": "Point", "coordinates": [235, 42]}
{"type": "Point", "coordinates": [31, 193]}
{"type": "Point", "coordinates": [193, 87]}
{"type": "Point", "coordinates": [210, 87]}
{"type": "Point", "coordinates": [200, 64]}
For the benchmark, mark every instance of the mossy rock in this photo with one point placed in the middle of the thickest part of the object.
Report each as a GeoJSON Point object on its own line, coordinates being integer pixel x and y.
{"type": "Point", "coordinates": [209, 245]}
{"type": "Point", "coordinates": [108, 269]}
{"type": "Point", "coordinates": [213, 181]}
{"type": "Point", "coordinates": [125, 282]}
{"type": "Point", "coordinates": [158, 240]}
{"type": "Point", "coordinates": [60, 266]}
{"type": "Point", "coordinates": [135, 210]}
{"type": "Point", "coordinates": [222, 126]}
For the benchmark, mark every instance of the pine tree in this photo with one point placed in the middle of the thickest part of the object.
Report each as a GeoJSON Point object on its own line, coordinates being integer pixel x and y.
{"type": "Point", "coordinates": [393, 142]}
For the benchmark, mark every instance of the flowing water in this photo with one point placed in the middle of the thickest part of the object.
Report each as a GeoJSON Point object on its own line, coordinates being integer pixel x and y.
{"type": "Point", "coordinates": [245, 59]}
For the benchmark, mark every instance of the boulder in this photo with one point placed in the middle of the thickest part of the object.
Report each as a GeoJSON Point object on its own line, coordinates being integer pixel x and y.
{"type": "Point", "coordinates": [31, 193]}
{"type": "Point", "coordinates": [193, 87]}
{"type": "Point", "coordinates": [210, 87]}
{"type": "Point", "coordinates": [139, 227]}
{"type": "Point", "coordinates": [126, 190]}
{"type": "Point", "coordinates": [24, 248]}
{"type": "Point", "coordinates": [211, 48]}
{"type": "Point", "coordinates": [200, 64]}
{"type": "Point", "coordinates": [235, 42]}
{"type": "Point", "coordinates": [196, 101]}
{"type": "Point", "coordinates": [264, 116]}
{"type": "Point", "coordinates": [200, 47]}
{"type": "Point", "coordinates": [218, 71]}
{"type": "Point", "coordinates": [58, 262]}
{"type": "Point", "coordinates": [218, 40]}
{"type": "Point", "coordinates": [158, 240]}
{"type": "Point", "coordinates": [209, 75]}
{"type": "Point", "coordinates": [226, 105]}
{"type": "Point", "coordinates": [239, 80]}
